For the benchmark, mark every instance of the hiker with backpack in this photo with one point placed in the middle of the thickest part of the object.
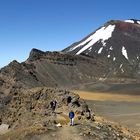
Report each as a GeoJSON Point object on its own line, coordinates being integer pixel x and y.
{"type": "Point", "coordinates": [53, 105]}
{"type": "Point", "coordinates": [71, 116]}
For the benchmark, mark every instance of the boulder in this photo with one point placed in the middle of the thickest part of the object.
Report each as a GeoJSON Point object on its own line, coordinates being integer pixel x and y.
{"type": "Point", "coordinates": [88, 115]}
{"type": "Point", "coordinates": [4, 128]}
{"type": "Point", "coordinates": [59, 125]}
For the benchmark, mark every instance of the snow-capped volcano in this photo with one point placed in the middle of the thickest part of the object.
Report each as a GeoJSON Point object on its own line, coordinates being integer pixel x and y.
{"type": "Point", "coordinates": [103, 35]}
{"type": "Point", "coordinates": [116, 43]}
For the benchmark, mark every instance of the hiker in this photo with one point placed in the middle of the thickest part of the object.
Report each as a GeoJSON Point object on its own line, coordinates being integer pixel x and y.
{"type": "Point", "coordinates": [71, 116]}
{"type": "Point", "coordinates": [53, 105]}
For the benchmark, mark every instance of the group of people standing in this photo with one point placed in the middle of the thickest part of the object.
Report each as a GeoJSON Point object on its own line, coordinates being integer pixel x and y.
{"type": "Point", "coordinates": [53, 105]}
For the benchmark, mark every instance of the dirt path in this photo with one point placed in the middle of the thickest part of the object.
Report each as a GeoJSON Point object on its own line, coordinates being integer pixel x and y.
{"type": "Point", "coordinates": [69, 133]}
{"type": "Point", "coordinates": [65, 133]}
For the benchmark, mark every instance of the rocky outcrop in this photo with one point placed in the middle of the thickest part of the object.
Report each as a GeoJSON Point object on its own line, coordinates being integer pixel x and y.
{"type": "Point", "coordinates": [26, 107]}
{"type": "Point", "coordinates": [35, 54]}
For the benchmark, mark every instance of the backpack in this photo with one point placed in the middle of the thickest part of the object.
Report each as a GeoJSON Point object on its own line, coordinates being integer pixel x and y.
{"type": "Point", "coordinates": [71, 115]}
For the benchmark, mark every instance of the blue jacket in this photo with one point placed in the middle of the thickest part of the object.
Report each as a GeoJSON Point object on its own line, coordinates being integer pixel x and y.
{"type": "Point", "coordinates": [71, 115]}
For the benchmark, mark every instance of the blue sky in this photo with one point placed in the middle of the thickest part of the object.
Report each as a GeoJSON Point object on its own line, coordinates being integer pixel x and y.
{"type": "Point", "coordinates": [54, 24]}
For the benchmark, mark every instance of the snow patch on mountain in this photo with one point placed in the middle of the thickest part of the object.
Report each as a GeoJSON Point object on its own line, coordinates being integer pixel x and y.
{"type": "Point", "coordinates": [133, 21]}
{"type": "Point", "coordinates": [104, 43]}
{"type": "Point", "coordinates": [100, 50]}
{"type": "Point", "coordinates": [129, 21]}
{"type": "Point", "coordinates": [138, 22]}
{"type": "Point", "coordinates": [102, 34]}
{"type": "Point", "coordinates": [121, 66]}
{"type": "Point", "coordinates": [90, 49]}
{"type": "Point", "coordinates": [124, 52]}
{"type": "Point", "coordinates": [108, 56]}
{"type": "Point", "coordinates": [111, 48]}
{"type": "Point", "coordinates": [114, 58]}
{"type": "Point", "coordinates": [122, 70]}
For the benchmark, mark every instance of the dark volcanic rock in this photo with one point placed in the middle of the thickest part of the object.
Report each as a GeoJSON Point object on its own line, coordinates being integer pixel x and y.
{"type": "Point", "coordinates": [35, 54]}
{"type": "Point", "coordinates": [51, 69]}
